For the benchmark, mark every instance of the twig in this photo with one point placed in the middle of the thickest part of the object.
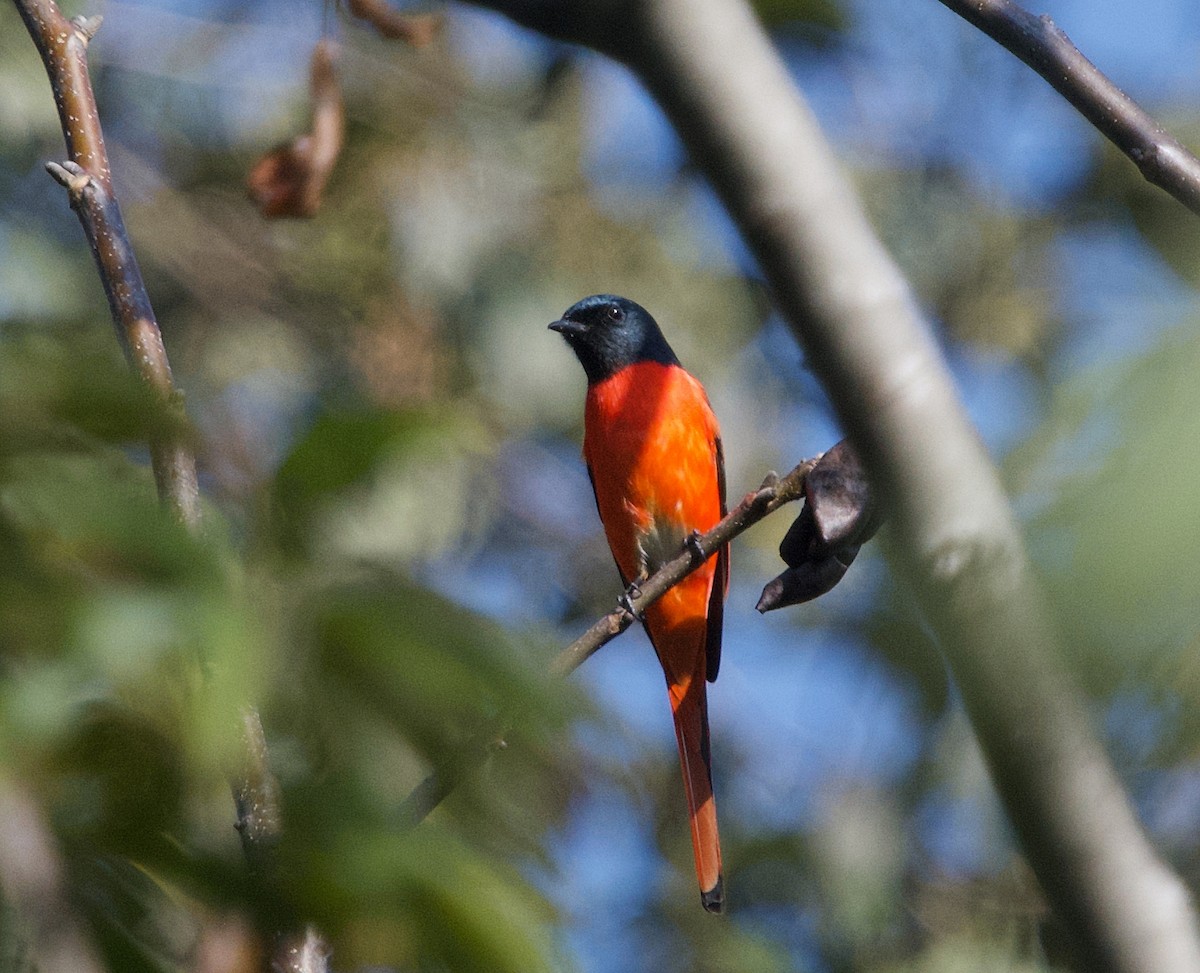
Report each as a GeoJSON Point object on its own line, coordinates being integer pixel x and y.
{"type": "Point", "coordinates": [295, 947]}
{"type": "Point", "coordinates": [769, 497]}
{"type": "Point", "coordinates": [62, 44]}
{"type": "Point", "coordinates": [1041, 44]}
{"type": "Point", "coordinates": [256, 796]}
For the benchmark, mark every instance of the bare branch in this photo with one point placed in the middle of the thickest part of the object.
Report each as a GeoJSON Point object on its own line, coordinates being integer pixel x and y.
{"type": "Point", "coordinates": [1040, 43]}
{"type": "Point", "coordinates": [63, 45]}
{"type": "Point", "coordinates": [714, 71]}
{"type": "Point", "coordinates": [256, 795]}
{"type": "Point", "coordinates": [86, 175]}
{"type": "Point", "coordinates": [304, 952]}
{"type": "Point", "coordinates": [171, 455]}
{"type": "Point", "coordinates": [768, 498]}
{"type": "Point", "coordinates": [294, 948]}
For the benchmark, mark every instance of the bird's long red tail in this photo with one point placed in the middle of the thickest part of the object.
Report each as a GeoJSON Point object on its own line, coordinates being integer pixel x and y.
{"type": "Point", "coordinates": [689, 707]}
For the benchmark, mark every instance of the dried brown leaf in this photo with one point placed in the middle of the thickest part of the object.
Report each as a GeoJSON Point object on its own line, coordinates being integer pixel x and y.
{"type": "Point", "coordinates": [415, 29]}
{"type": "Point", "coordinates": [290, 179]}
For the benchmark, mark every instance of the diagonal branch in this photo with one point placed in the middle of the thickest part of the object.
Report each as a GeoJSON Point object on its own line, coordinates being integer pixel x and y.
{"type": "Point", "coordinates": [1041, 44]}
{"type": "Point", "coordinates": [768, 498]}
{"type": "Point", "coordinates": [713, 69]}
{"type": "Point", "coordinates": [171, 455]}
{"type": "Point", "coordinates": [773, 494]}
{"type": "Point", "coordinates": [62, 44]}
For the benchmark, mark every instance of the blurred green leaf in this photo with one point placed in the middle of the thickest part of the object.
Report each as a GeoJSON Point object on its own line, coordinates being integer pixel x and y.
{"type": "Point", "coordinates": [72, 391]}
{"type": "Point", "coordinates": [120, 782]}
{"type": "Point", "coordinates": [374, 482]}
{"type": "Point", "coordinates": [461, 912]}
{"type": "Point", "coordinates": [1119, 542]}
{"type": "Point", "coordinates": [435, 672]}
{"type": "Point", "coordinates": [826, 14]}
{"type": "Point", "coordinates": [1163, 223]}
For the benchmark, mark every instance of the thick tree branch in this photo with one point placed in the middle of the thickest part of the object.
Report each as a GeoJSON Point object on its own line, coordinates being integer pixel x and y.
{"type": "Point", "coordinates": [62, 44]}
{"type": "Point", "coordinates": [1040, 43]}
{"type": "Point", "coordinates": [715, 73]}
{"type": "Point", "coordinates": [768, 498]}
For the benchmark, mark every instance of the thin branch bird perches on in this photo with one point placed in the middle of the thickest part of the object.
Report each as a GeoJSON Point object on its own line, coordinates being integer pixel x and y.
{"type": "Point", "coordinates": [774, 493]}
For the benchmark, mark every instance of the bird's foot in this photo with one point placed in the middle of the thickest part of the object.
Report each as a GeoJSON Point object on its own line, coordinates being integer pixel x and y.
{"type": "Point", "coordinates": [634, 590]}
{"type": "Point", "coordinates": [692, 543]}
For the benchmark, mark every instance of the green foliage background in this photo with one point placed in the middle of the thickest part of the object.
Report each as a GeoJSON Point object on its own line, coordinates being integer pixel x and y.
{"type": "Point", "coordinates": [360, 385]}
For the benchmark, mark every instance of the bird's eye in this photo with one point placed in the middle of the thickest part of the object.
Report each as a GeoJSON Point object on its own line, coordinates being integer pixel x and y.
{"type": "Point", "coordinates": [613, 314]}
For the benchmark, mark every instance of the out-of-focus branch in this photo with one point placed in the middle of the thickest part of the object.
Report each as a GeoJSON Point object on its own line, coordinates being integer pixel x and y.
{"type": "Point", "coordinates": [294, 947]}
{"type": "Point", "coordinates": [62, 44]}
{"type": "Point", "coordinates": [302, 952]}
{"type": "Point", "coordinates": [768, 498]}
{"type": "Point", "coordinates": [714, 71]}
{"type": "Point", "coordinates": [450, 773]}
{"type": "Point", "coordinates": [1041, 44]}
{"type": "Point", "coordinates": [256, 796]}
{"type": "Point", "coordinates": [31, 874]}
{"type": "Point", "coordinates": [416, 29]}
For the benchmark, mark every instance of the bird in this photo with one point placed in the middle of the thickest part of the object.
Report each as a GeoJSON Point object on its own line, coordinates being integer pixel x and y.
{"type": "Point", "coordinates": [653, 451]}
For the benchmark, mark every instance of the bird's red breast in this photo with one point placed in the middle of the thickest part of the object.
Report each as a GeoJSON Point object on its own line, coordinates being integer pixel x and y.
{"type": "Point", "coordinates": [652, 446]}
{"type": "Point", "coordinates": [650, 442]}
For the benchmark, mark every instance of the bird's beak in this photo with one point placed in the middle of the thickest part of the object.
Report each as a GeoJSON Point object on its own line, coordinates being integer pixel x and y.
{"type": "Point", "coordinates": [568, 329]}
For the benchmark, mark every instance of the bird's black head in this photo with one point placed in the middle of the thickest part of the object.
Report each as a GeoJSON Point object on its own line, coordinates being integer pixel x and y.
{"type": "Point", "coordinates": [608, 333]}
